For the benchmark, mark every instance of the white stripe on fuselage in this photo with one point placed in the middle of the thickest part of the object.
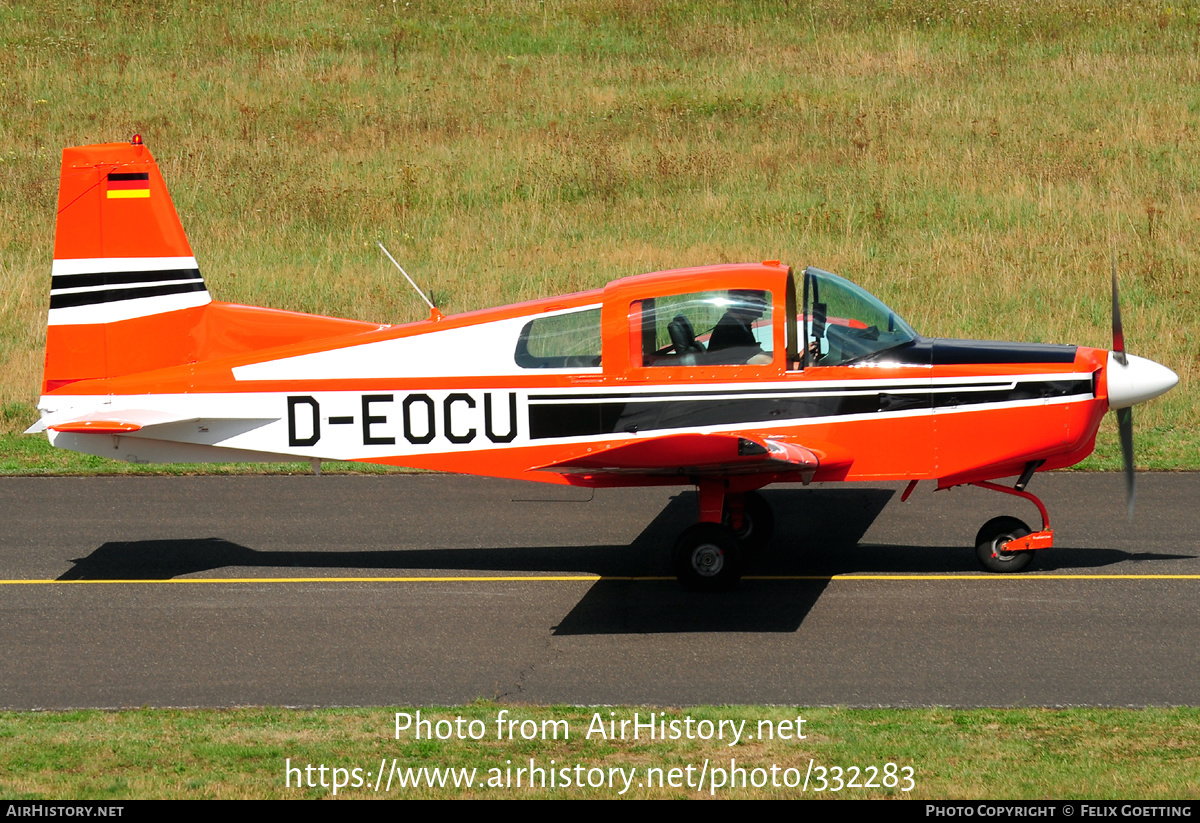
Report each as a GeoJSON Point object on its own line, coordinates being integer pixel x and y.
{"type": "Point", "coordinates": [479, 350]}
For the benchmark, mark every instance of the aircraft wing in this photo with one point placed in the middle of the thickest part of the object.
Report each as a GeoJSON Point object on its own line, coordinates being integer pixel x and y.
{"type": "Point", "coordinates": [691, 455]}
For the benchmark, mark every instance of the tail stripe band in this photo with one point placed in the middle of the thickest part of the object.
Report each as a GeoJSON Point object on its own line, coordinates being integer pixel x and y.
{"type": "Point", "coordinates": [91, 290]}
{"type": "Point", "coordinates": [63, 282]}
{"type": "Point", "coordinates": [88, 298]}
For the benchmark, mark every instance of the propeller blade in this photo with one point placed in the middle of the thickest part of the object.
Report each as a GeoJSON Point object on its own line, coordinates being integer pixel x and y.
{"type": "Point", "coordinates": [1125, 430]}
{"type": "Point", "coordinates": [1130, 380]}
{"type": "Point", "coordinates": [1118, 348]}
{"type": "Point", "coordinates": [1125, 415]}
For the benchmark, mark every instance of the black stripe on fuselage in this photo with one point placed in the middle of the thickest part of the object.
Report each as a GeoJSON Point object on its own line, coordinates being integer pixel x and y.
{"type": "Point", "coordinates": [592, 414]}
{"type": "Point", "coordinates": [827, 388]}
{"type": "Point", "coordinates": [89, 298]}
{"type": "Point", "coordinates": [938, 351]}
{"type": "Point", "coordinates": [120, 278]}
{"type": "Point", "coordinates": [128, 175]}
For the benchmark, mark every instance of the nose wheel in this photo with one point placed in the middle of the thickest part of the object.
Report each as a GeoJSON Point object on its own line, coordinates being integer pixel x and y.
{"type": "Point", "coordinates": [992, 540]}
{"type": "Point", "coordinates": [1006, 544]}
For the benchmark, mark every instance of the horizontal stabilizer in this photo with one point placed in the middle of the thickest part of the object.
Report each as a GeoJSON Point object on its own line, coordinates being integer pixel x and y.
{"type": "Point", "coordinates": [97, 426]}
{"type": "Point", "coordinates": [691, 455]}
{"type": "Point", "coordinates": [121, 421]}
{"type": "Point", "coordinates": [106, 421]}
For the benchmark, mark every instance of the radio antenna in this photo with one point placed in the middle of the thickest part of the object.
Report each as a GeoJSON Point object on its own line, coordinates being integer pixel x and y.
{"type": "Point", "coordinates": [434, 314]}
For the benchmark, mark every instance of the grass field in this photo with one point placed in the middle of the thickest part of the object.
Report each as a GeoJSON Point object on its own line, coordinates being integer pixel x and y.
{"type": "Point", "coordinates": [980, 754]}
{"type": "Point", "coordinates": [975, 163]}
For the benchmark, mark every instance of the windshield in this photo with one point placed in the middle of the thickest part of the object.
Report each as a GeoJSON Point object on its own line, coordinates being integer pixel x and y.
{"type": "Point", "coordinates": [845, 323]}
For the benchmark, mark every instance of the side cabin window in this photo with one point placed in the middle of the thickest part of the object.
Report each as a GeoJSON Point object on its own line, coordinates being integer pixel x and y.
{"type": "Point", "coordinates": [569, 340]}
{"type": "Point", "coordinates": [718, 328]}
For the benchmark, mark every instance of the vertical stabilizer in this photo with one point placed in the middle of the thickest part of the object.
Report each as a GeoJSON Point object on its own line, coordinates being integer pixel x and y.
{"type": "Point", "coordinates": [126, 293]}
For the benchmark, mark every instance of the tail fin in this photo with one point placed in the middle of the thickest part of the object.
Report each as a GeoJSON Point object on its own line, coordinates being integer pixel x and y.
{"type": "Point", "coordinates": [126, 294]}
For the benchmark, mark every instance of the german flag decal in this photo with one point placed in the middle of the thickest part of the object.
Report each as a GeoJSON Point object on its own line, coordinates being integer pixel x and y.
{"type": "Point", "coordinates": [128, 184]}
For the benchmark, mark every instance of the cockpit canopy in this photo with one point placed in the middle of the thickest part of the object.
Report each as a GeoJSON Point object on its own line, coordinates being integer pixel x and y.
{"type": "Point", "coordinates": [741, 315]}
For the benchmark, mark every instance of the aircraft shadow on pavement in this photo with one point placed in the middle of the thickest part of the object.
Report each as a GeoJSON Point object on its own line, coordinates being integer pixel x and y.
{"type": "Point", "coordinates": [833, 519]}
{"type": "Point", "coordinates": [818, 534]}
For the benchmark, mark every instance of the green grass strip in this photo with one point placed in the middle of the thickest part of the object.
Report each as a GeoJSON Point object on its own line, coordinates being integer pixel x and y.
{"type": "Point", "coordinates": [953, 754]}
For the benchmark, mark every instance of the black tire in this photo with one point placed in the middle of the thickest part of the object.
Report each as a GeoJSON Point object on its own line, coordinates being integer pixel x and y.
{"type": "Point", "coordinates": [708, 558]}
{"type": "Point", "coordinates": [758, 523]}
{"type": "Point", "coordinates": [989, 545]}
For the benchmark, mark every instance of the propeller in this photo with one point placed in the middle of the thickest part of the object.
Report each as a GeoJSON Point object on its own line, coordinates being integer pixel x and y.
{"type": "Point", "coordinates": [1125, 415]}
{"type": "Point", "coordinates": [1131, 380]}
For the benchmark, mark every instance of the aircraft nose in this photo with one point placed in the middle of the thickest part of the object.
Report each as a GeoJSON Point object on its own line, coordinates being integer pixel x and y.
{"type": "Point", "coordinates": [1137, 381]}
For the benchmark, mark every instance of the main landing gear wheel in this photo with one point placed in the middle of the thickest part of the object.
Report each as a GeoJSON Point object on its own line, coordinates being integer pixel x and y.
{"type": "Point", "coordinates": [990, 542]}
{"type": "Point", "coordinates": [758, 523]}
{"type": "Point", "coordinates": [708, 558]}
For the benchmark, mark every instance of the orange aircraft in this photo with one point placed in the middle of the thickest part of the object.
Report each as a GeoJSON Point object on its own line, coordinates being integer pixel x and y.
{"type": "Point", "coordinates": [727, 378]}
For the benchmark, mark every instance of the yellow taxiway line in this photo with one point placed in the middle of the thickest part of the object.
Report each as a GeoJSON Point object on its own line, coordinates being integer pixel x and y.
{"type": "Point", "coordinates": [592, 578]}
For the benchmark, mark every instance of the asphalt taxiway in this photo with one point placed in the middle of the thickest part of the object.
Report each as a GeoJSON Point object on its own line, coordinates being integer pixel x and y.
{"type": "Point", "coordinates": [432, 590]}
